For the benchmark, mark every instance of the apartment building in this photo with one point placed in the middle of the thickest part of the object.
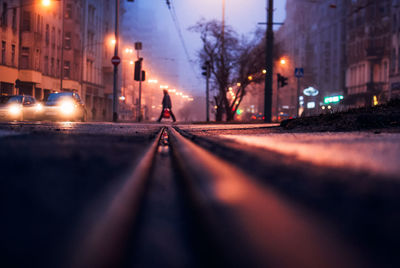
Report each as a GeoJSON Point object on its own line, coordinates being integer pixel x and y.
{"type": "Point", "coordinates": [9, 38]}
{"type": "Point", "coordinates": [64, 46]}
{"type": "Point", "coordinates": [368, 44]}
{"type": "Point", "coordinates": [394, 77]}
{"type": "Point", "coordinates": [316, 43]}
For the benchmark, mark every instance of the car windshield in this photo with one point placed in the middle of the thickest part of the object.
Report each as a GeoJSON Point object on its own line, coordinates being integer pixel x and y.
{"type": "Point", "coordinates": [10, 99]}
{"type": "Point", "coordinates": [53, 97]}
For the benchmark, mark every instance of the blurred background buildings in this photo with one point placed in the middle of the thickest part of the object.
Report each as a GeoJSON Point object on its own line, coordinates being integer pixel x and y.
{"type": "Point", "coordinates": [349, 50]}
{"type": "Point", "coordinates": [43, 51]}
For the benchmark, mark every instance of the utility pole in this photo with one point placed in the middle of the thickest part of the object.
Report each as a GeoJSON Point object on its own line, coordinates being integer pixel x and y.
{"type": "Point", "coordinates": [62, 44]}
{"type": "Point", "coordinates": [298, 97]}
{"type": "Point", "coordinates": [269, 63]}
{"type": "Point", "coordinates": [277, 95]}
{"type": "Point", "coordinates": [139, 77]}
{"type": "Point", "coordinates": [140, 91]}
{"type": "Point", "coordinates": [115, 87]}
{"type": "Point", "coordinates": [208, 97]}
{"type": "Point", "coordinates": [207, 73]}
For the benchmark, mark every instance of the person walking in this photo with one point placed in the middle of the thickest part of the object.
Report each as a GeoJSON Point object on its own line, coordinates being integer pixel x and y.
{"type": "Point", "coordinates": [166, 103]}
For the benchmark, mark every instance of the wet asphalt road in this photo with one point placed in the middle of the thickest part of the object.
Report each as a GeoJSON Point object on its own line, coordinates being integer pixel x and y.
{"type": "Point", "coordinates": [56, 179]}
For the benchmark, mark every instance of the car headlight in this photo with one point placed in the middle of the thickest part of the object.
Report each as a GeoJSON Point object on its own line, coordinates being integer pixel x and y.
{"type": "Point", "coordinates": [15, 109]}
{"type": "Point", "coordinates": [39, 107]}
{"type": "Point", "coordinates": [67, 107]}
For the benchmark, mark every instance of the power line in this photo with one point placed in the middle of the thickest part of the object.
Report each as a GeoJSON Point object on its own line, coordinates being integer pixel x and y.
{"type": "Point", "coordinates": [174, 17]}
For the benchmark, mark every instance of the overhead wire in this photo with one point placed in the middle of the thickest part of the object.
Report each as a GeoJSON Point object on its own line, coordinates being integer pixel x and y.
{"type": "Point", "coordinates": [175, 19]}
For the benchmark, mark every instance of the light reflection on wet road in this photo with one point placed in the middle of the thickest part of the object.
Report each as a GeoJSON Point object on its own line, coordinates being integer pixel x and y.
{"type": "Point", "coordinates": [379, 153]}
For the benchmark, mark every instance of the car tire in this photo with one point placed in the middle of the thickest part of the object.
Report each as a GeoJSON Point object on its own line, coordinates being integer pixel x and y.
{"type": "Point", "coordinates": [84, 117]}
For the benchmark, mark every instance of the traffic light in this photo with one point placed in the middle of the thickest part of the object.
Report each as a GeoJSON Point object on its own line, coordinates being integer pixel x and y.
{"type": "Point", "coordinates": [138, 69]}
{"type": "Point", "coordinates": [206, 69]}
{"type": "Point", "coordinates": [282, 81]}
{"type": "Point", "coordinates": [143, 76]}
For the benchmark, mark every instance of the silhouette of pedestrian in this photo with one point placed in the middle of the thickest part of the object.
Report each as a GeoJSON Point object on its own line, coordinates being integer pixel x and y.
{"type": "Point", "coordinates": [166, 103]}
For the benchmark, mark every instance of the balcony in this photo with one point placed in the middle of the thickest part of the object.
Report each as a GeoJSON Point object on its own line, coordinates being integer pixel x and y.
{"type": "Point", "coordinates": [374, 53]}
{"type": "Point", "coordinates": [377, 87]}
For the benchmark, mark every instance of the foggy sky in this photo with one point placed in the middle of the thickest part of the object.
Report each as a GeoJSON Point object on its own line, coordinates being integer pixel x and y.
{"type": "Point", "coordinates": [242, 15]}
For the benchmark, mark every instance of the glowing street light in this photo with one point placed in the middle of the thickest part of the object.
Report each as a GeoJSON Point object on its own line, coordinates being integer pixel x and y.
{"type": "Point", "coordinates": [164, 87]}
{"type": "Point", "coordinates": [46, 3]}
{"type": "Point", "coordinates": [282, 61]}
{"type": "Point", "coordinates": [153, 81]}
{"type": "Point", "coordinates": [131, 62]}
{"type": "Point", "coordinates": [250, 77]}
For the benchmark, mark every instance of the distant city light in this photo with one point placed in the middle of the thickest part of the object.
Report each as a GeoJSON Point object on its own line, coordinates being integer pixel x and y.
{"type": "Point", "coordinates": [264, 71]}
{"type": "Point", "coordinates": [333, 99]}
{"type": "Point", "coordinates": [283, 61]}
{"type": "Point", "coordinates": [250, 77]}
{"type": "Point", "coordinates": [311, 91]}
{"type": "Point", "coordinates": [153, 81]}
{"type": "Point", "coordinates": [238, 84]}
{"type": "Point", "coordinates": [375, 101]}
{"type": "Point", "coordinates": [164, 86]}
{"type": "Point", "coordinates": [46, 3]}
{"type": "Point", "coordinates": [131, 62]}
{"type": "Point", "coordinates": [122, 98]}
{"type": "Point", "coordinates": [311, 105]}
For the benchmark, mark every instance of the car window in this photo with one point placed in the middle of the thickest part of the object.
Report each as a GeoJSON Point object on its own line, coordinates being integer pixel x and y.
{"type": "Point", "coordinates": [27, 100]}
{"type": "Point", "coordinates": [10, 99]}
{"type": "Point", "coordinates": [58, 96]}
{"type": "Point", "coordinates": [77, 97]}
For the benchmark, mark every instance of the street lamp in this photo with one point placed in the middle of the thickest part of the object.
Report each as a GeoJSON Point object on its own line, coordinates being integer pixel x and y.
{"type": "Point", "coordinates": [46, 3]}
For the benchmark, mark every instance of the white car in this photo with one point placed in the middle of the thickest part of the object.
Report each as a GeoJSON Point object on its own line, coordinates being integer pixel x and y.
{"type": "Point", "coordinates": [19, 108]}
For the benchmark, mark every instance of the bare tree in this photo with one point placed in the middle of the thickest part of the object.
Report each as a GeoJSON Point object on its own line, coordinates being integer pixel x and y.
{"type": "Point", "coordinates": [233, 61]}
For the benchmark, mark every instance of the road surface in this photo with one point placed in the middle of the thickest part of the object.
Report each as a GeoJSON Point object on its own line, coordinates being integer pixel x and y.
{"type": "Point", "coordinates": [151, 195]}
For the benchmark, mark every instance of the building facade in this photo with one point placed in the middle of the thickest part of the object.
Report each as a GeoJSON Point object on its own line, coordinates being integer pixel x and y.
{"type": "Point", "coordinates": [316, 43]}
{"type": "Point", "coordinates": [65, 46]}
{"type": "Point", "coordinates": [394, 76]}
{"type": "Point", "coordinates": [346, 47]}
{"type": "Point", "coordinates": [368, 49]}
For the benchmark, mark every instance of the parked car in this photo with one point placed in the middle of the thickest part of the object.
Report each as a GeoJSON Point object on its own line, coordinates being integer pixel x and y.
{"type": "Point", "coordinates": [19, 108]}
{"type": "Point", "coordinates": [65, 106]}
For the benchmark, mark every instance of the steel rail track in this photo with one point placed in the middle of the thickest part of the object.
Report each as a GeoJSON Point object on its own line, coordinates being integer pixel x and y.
{"type": "Point", "coordinates": [253, 225]}
{"type": "Point", "coordinates": [105, 244]}
{"type": "Point", "coordinates": [344, 197]}
{"type": "Point", "coordinates": [245, 224]}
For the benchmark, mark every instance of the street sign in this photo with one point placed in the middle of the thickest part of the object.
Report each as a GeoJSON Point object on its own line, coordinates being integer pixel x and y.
{"type": "Point", "coordinates": [311, 92]}
{"type": "Point", "coordinates": [115, 60]}
{"type": "Point", "coordinates": [299, 72]}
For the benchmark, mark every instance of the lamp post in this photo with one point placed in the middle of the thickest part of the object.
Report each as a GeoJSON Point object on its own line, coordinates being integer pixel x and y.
{"type": "Point", "coordinates": [62, 42]}
{"type": "Point", "coordinates": [115, 85]}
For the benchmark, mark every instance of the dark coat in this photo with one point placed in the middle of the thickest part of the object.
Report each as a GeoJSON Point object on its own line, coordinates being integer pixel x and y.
{"type": "Point", "coordinates": [166, 102]}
